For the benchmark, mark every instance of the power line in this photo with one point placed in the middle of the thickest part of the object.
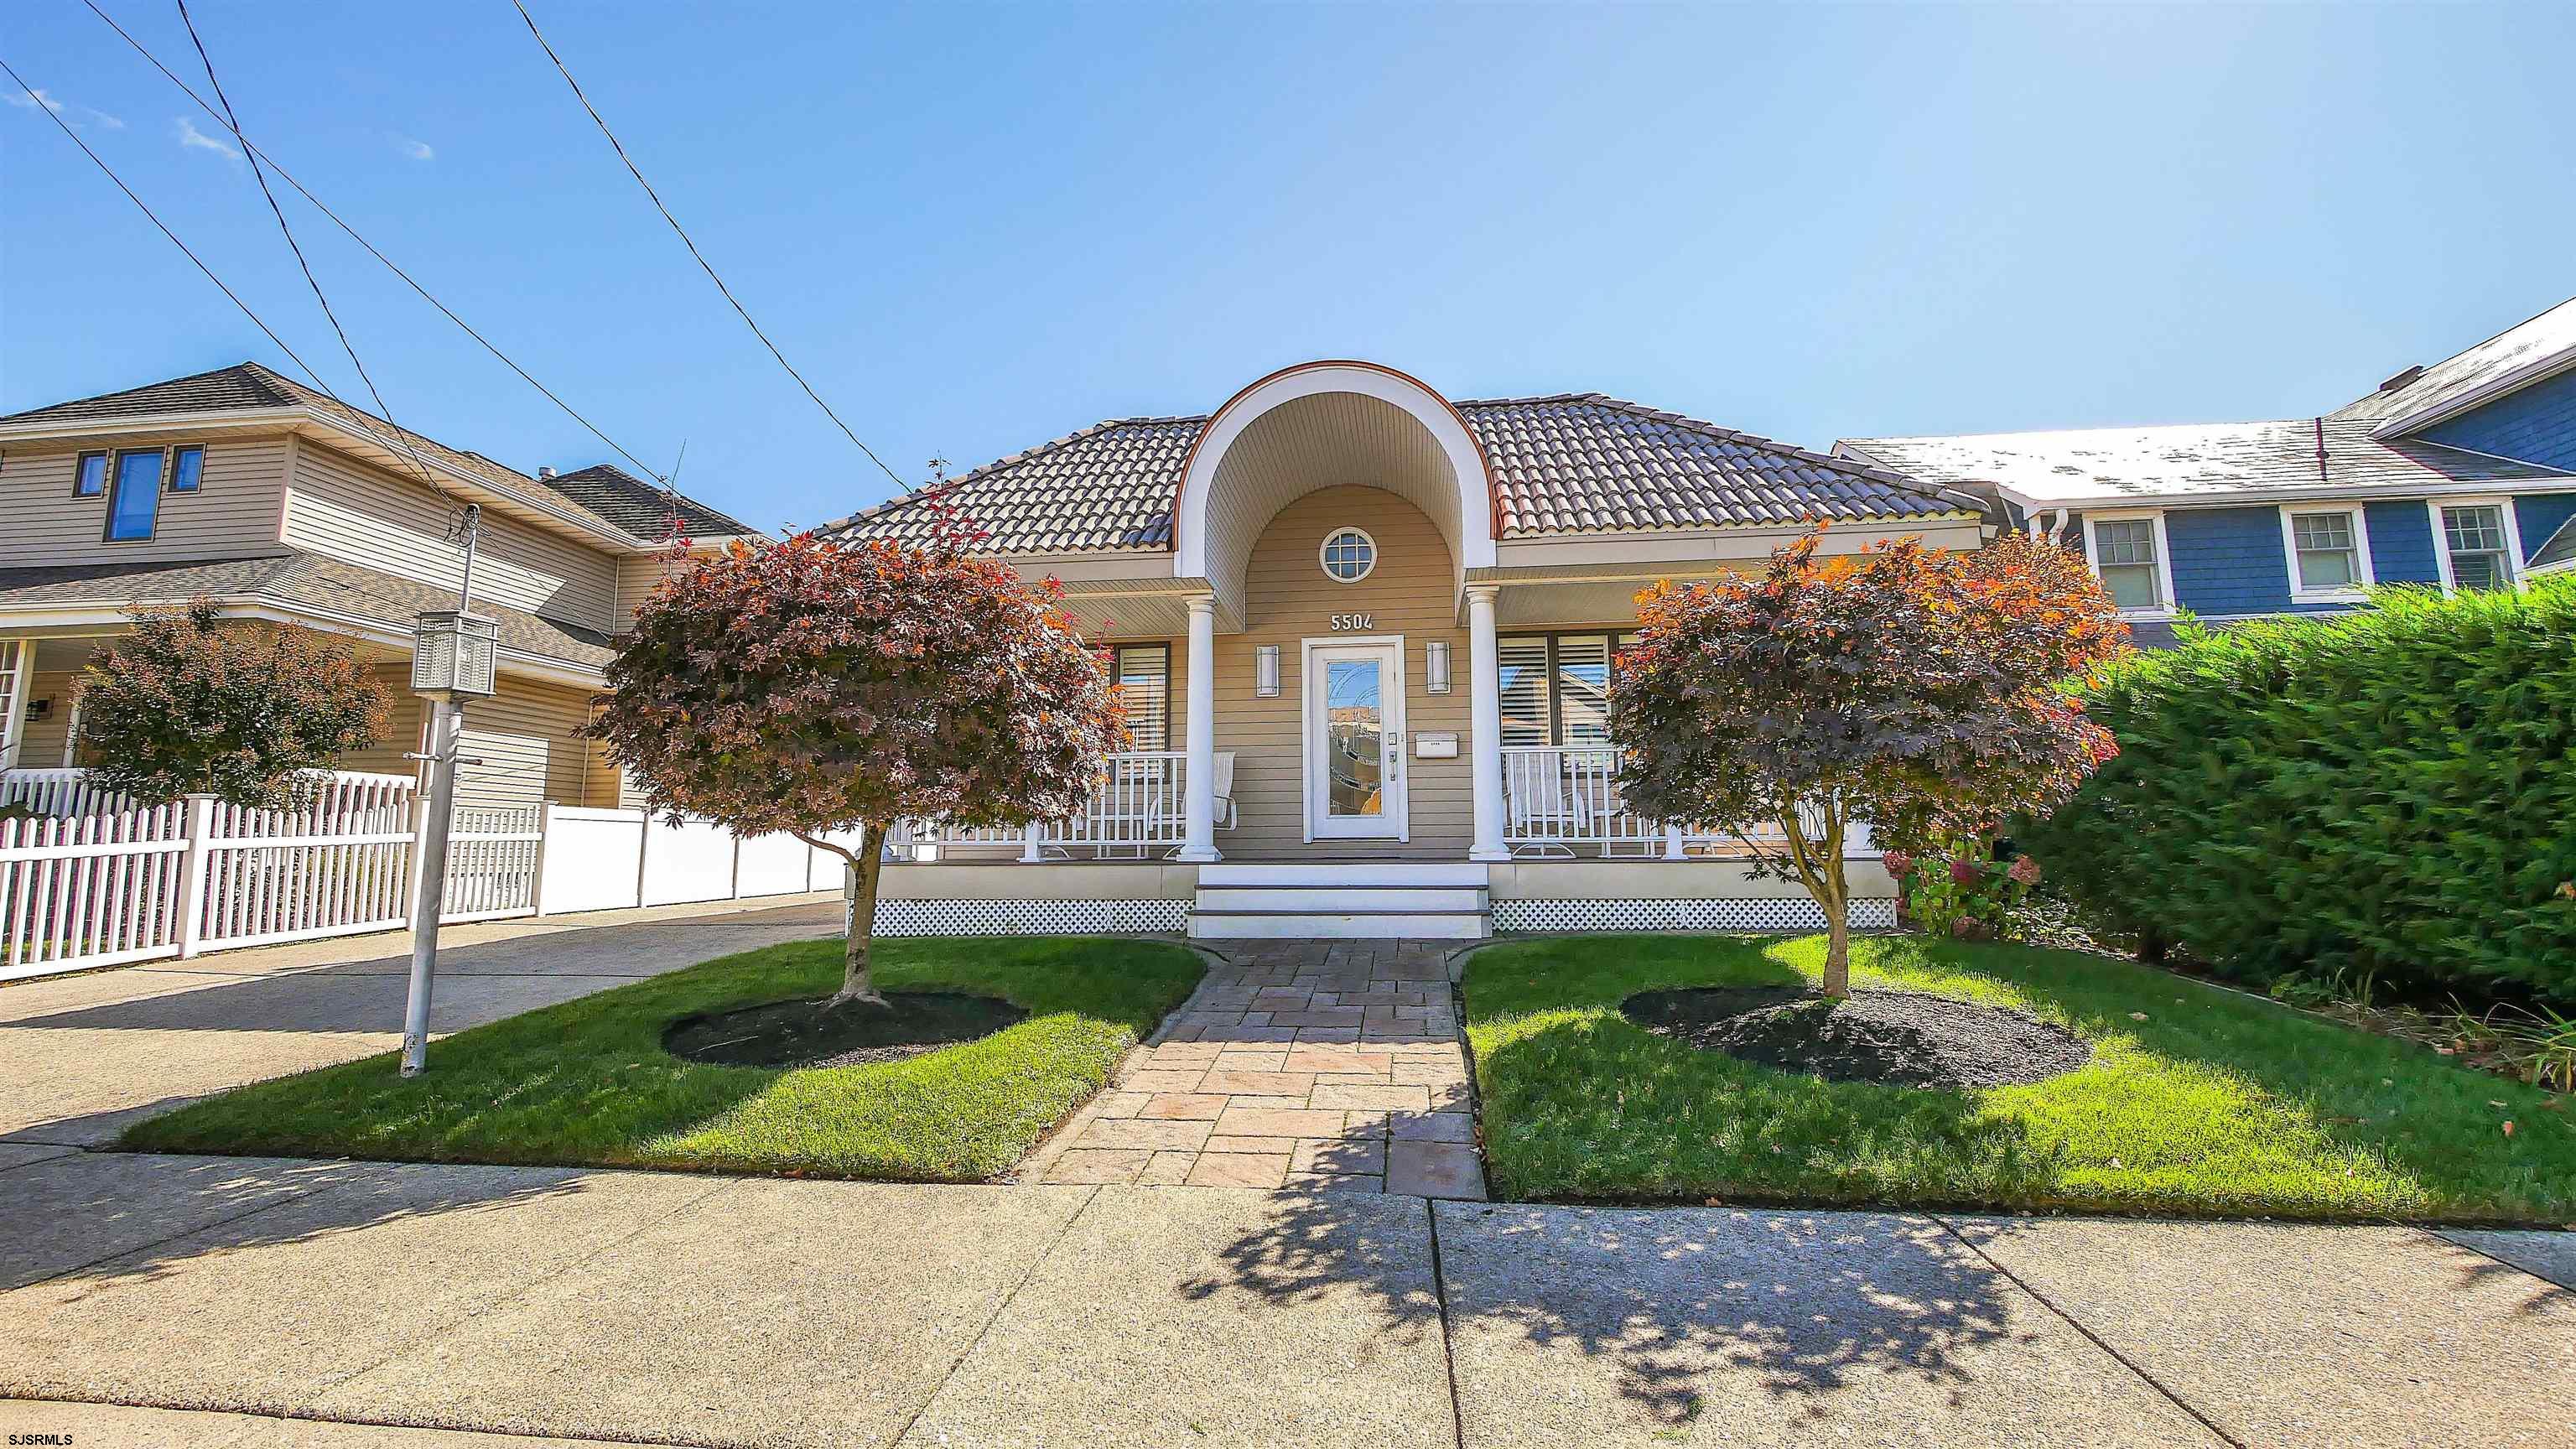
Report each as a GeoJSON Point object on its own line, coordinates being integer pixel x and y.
{"type": "Point", "coordinates": [353, 235]}
{"type": "Point", "coordinates": [703, 264]}
{"type": "Point", "coordinates": [149, 215]}
{"type": "Point", "coordinates": [365, 422]}
{"type": "Point", "coordinates": [257, 174]}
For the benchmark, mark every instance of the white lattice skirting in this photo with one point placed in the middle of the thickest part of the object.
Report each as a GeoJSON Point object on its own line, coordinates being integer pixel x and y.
{"type": "Point", "coordinates": [1759, 916]}
{"type": "Point", "coordinates": [1029, 918]}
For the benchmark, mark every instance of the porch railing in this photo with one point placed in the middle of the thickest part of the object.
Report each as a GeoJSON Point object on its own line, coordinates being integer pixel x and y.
{"type": "Point", "coordinates": [1562, 799]}
{"type": "Point", "coordinates": [1135, 808]}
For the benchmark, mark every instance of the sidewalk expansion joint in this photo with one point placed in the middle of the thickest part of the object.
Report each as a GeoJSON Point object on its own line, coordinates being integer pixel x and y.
{"type": "Point", "coordinates": [1036, 1261]}
{"type": "Point", "coordinates": [2071, 1321]}
{"type": "Point", "coordinates": [1448, 1343]}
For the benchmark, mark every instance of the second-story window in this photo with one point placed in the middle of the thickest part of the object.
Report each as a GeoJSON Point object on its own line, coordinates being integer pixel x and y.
{"type": "Point", "coordinates": [2329, 551]}
{"type": "Point", "coordinates": [2125, 557]}
{"type": "Point", "coordinates": [89, 475]}
{"type": "Point", "coordinates": [134, 503]}
{"type": "Point", "coordinates": [187, 468]}
{"type": "Point", "coordinates": [2473, 539]}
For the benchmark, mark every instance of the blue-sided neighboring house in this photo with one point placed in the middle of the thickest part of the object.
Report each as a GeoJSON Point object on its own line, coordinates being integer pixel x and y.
{"type": "Point", "coordinates": [2461, 475]}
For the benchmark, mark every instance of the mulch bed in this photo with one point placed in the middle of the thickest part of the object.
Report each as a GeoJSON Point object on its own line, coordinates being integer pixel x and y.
{"type": "Point", "coordinates": [801, 1034]}
{"type": "Point", "coordinates": [1893, 1038]}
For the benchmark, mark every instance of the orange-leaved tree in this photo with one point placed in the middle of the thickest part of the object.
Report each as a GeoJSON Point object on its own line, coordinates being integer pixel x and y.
{"type": "Point", "coordinates": [1912, 688]}
{"type": "Point", "coordinates": [816, 688]}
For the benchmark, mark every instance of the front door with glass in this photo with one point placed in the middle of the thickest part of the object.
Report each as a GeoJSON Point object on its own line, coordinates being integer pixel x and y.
{"type": "Point", "coordinates": [1355, 741]}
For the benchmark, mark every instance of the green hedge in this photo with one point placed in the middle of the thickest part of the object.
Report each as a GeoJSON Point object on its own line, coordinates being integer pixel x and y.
{"type": "Point", "coordinates": [2388, 792]}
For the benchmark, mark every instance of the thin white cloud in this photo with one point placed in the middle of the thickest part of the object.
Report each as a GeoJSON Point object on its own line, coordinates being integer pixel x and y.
{"type": "Point", "coordinates": [78, 115]}
{"type": "Point", "coordinates": [190, 138]}
{"type": "Point", "coordinates": [416, 150]}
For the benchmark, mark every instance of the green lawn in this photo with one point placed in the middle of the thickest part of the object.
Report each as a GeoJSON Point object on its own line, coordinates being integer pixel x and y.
{"type": "Point", "coordinates": [587, 1082]}
{"type": "Point", "coordinates": [2212, 1104]}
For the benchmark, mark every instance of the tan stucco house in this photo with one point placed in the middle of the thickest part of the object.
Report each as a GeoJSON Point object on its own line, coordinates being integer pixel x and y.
{"type": "Point", "coordinates": [1366, 632]}
{"type": "Point", "coordinates": [279, 503]}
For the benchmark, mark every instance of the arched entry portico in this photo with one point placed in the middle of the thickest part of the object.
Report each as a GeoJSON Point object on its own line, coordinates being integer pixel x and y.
{"type": "Point", "coordinates": [1297, 431]}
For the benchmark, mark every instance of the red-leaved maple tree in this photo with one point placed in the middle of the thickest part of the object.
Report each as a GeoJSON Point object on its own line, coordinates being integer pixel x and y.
{"type": "Point", "coordinates": [816, 688]}
{"type": "Point", "coordinates": [1913, 688]}
{"type": "Point", "coordinates": [248, 712]}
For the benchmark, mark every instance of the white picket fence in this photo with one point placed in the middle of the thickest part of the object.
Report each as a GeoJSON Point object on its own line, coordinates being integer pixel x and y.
{"type": "Point", "coordinates": [94, 880]}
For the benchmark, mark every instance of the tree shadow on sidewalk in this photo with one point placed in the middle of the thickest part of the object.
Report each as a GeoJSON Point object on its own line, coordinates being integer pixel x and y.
{"type": "Point", "coordinates": [1664, 1310]}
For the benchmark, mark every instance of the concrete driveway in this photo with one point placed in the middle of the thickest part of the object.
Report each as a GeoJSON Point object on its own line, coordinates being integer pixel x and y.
{"type": "Point", "coordinates": [184, 1300]}
{"type": "Point", "coordinates": [81, 1056]}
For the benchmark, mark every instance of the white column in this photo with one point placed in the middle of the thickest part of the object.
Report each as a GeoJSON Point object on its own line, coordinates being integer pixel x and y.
{"type": "Point", "coordinates": [1198, 774]}
{"type": "Point", "coordinates": [1485, 722]}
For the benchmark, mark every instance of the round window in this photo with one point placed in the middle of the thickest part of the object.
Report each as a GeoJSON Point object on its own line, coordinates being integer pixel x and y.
{"type": "Point", "coordinates": [1349, 554]}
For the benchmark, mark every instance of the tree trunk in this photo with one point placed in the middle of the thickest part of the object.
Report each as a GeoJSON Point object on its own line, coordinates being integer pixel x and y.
{"type": "Point", "coordinates": [1836, 899]}
{"type": "Point", "coordinates": [855, 982]}
{"type": "Point", "coordinates": [1819, 864]}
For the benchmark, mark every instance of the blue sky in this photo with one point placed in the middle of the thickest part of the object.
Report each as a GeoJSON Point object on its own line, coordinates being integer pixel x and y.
{"type": "Point", "coordinates": [977, 229]}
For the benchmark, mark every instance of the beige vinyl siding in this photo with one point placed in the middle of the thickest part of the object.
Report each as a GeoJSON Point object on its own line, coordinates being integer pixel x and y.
{"type": "Point", "coordinates": [232, 514]}
{"type": "Point", "coordinates": [1288, 599]}
{"type": "Point", "coordinates": [636, 576]}
{"type": "Point", "coordinates": [523, 735]}
{"type": "Point", "coordinates": [525, 738]}
{"type": "Point", "coordinates": [339, 506]}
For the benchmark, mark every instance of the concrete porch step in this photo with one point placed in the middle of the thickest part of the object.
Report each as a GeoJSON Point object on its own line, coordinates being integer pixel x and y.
{"type": "Point", "coordinates": [1377, 925]}
{"type": "Point", "coordinates": [1370, 899]}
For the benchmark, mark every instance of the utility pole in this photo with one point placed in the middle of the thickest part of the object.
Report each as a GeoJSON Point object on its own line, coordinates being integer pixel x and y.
{"type": "Point", "coordinates": [452, 658]}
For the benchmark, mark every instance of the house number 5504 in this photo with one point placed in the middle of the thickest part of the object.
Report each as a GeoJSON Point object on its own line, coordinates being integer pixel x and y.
{"type": "Point", "coordinates": [1355, 621]}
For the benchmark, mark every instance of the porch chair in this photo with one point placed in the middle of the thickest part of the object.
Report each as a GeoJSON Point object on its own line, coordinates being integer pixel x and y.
{"type": "Point", "coordinates": [1223, 777]}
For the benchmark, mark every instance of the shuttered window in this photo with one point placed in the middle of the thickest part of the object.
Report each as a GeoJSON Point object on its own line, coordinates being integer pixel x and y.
{"type": "Point", "coordinates": [1145, 685]}
{"type": "Point", "coordinates": [1556, 688]}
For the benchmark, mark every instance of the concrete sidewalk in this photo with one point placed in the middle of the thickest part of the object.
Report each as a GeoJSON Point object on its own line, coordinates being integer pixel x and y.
{"type": "Point", "coordinates": [85, 1055]}
{"type": "Point", "coordinates": [674, 1309]}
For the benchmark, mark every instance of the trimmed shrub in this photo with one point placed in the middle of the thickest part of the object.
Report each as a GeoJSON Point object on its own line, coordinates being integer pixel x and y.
{"type": "Point", "coordinates": [2386, 795]}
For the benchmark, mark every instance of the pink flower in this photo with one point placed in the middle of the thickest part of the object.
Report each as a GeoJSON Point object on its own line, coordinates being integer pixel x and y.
{"type": "Point", "coordinates": [1898, 863]}
{"type": "Point", "coordinates": [2026, 870]}
{"type": "Point", "coordinates": [1966, 872]}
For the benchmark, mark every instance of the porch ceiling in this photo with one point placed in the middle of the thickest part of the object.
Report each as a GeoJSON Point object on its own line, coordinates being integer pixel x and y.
{"type": "Point", "coordinates": [1320, 441]}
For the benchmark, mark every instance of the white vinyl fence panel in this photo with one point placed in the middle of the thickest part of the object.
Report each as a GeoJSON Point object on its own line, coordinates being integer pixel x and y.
{"type": "Point", "coordinates": [94, 880]}
{"type": "Point", "coordinates": [593, 859]}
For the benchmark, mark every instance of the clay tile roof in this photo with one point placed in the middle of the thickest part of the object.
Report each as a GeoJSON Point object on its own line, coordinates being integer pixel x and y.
{"type": "Point", "coordinates": [1575, 463]}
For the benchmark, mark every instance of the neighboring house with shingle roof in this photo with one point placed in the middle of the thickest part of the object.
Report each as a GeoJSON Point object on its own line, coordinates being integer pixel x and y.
{"type": "Point", "coordinates": [2458, 474]}
{"type": "Point", "coordinates": [1380, 624]}
{"type": "Point", "coordinates": [276, 502]}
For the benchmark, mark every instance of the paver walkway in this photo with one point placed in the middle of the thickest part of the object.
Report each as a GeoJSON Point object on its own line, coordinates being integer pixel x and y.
{"type": "Point", "coordinates": [1297, 1064]}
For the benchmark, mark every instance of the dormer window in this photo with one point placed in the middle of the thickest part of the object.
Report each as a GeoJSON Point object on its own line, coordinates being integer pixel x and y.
{"type": "Point", "coordinates": [187, 468]}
